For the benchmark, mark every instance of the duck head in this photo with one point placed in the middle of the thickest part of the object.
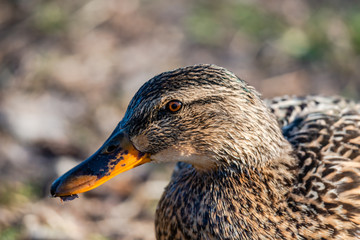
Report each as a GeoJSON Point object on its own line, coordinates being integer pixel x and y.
{"type": "Point", "coordinates": [203, 115]}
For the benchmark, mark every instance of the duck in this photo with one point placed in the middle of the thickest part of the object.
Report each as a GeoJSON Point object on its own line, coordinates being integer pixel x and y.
{"type": "Point", "coordinates": [247, 168]}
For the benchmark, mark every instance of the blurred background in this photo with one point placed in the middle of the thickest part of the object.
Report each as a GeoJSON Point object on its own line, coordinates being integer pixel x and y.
{"type": "Point", "coordinates": [69, 68]}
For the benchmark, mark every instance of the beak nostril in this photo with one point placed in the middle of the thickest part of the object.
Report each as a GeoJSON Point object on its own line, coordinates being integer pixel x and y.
{"type": "Point", "coordinates": [111, 148]}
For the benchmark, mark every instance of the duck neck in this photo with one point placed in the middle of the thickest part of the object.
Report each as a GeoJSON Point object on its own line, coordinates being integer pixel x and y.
{"type": "Point", "coordinates": [230, 202]}
{"type": "Point", "coordinates": [269, 184]}
{"type": "Point", "coordinates": [271, 178]}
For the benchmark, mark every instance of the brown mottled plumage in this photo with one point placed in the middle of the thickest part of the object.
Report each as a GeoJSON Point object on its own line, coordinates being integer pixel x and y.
{"type": "Point", "coordinates": [285, 169]}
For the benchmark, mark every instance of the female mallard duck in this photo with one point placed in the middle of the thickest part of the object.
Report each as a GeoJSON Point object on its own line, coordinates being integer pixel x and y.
{"type": "Point", "coordinates": [243, 176]}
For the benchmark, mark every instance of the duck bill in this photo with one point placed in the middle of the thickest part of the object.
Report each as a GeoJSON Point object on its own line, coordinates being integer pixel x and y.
{"type": "Point", "coordinates": [117, 155]}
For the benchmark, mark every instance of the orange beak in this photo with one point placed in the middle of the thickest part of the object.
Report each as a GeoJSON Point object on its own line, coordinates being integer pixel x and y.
{"type": "Point", "coordinates": [117, 155]}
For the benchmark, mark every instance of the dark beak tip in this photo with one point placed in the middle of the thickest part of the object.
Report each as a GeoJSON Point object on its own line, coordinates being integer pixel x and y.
{"type": "Point", "coordinates": [54, 187]}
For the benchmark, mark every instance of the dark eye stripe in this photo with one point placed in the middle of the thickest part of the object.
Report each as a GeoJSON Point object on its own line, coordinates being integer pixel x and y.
{"type": "Point", "coordinates": [207, 100]}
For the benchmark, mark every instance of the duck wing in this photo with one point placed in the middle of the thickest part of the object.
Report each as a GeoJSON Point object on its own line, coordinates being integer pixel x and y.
{"type": "Point", "coordinates": [325, 135]}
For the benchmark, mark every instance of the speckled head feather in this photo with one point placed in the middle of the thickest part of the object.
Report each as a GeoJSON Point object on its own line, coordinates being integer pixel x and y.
{"type": "Point", "coordinates": [216, 124]}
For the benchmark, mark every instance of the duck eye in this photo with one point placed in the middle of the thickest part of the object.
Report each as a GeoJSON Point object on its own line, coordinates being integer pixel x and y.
{"type": "Point", "coordinates": [174, 106]}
